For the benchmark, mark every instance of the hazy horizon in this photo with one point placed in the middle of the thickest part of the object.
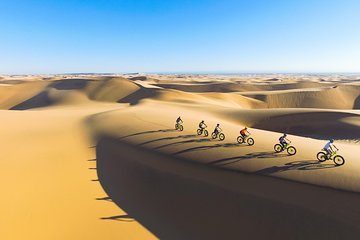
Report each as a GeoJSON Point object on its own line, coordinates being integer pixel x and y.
{"type": "Point", "coordinates": [187, 73]}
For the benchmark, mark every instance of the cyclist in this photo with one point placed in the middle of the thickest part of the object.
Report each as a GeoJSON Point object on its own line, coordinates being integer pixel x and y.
{"type": "Point", "coordinates": [283, 140]}
{"type": "Point", "coordinates": [244, 132]}
{"type": "Point", "coordinates": [217, 129]}
{"type": "Point", "coordinates": [202, 125]}
{"type": "Point", "coordinates": [329, 147]}
{"type": "Point", "coordinates": [179, 121]}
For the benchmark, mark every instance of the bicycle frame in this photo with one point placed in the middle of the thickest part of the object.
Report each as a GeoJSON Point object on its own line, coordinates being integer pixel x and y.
{"type": "Point", "coordinates": [331, 155]}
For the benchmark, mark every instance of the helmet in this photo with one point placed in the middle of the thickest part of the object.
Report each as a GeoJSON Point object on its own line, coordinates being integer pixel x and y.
{"type": "Point", "coordinates": [202, 121]}
{"type": "Point", "coordinates": [218, 124]}
{"type": "Point", "coordinates": [245, 128]}
{"type": "Point", "coordinates": [285, 134]}
{"type": "Point", "coordinates": [331, 140]}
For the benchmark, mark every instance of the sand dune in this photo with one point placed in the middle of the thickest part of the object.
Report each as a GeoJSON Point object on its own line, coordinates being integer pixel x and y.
{"type": "Point", "coordinates": [89, 157]}
{"type": "Point", "coordinates": [178, 200]}
{"type": "Point", "coordinates": [14, 94]}
{"type": "Point", "coordinates": [342, 97]}
{"type": "Point", "coordinates": [319, 123]}
{"type": "Point", "coordinates": [166, 166]}
{"type": "Point", "coordinates": [111, 90]}
{"type": "Point", "coordinates": [159, 136]}
{"type": "Point", "coordinates": [237, 87]}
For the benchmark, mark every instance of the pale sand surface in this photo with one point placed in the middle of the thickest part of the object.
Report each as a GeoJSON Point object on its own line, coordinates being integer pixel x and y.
{"type": "Point", "coordinates": [89, 157]}
{"type": "Point", "coordinates": [50, 188]}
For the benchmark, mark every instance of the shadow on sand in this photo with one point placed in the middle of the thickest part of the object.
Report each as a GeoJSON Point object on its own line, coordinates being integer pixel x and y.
{"type": "Point", "coordinates": [168, 138]}
{"type": "Point", "coordinates": [148, 132]}
{"type": "Point", "coordinates": [122, 218]}
{"type": "Point", "coordinates": [176, 199]}
{"type": "Point", "coordinates": [207, 147]}
{"type": "Point", "coordinates": [43, 99]}
{"type": "Point", "coordinates": [357, 103]}
{"type": "Point", "coordinates": [184, 142]}
{"type": "Point", "coordinates": [230, 160]}
{"type": "Point", "coordinates": [297, 165]}
{"type": "Point", "coordinates": [104, 199]}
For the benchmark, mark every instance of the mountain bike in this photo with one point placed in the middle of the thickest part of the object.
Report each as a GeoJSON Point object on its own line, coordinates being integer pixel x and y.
{"type": "Point", "coordinates": [249, 140]}
{"type": "Point", "coordinates": [200, 131]}
{"type": "Point", "coordinates": [291, 150]}
{"type": "Point", "coordinates": [179, 126]}
{"type": "Point", "coordinates": [219, 135]}
{"type": "Point", "coordinates": [323, 155]}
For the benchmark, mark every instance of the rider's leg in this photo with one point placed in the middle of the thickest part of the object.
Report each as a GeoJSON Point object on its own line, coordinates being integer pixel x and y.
{"type": "Point", "coordinates": [328, 152]}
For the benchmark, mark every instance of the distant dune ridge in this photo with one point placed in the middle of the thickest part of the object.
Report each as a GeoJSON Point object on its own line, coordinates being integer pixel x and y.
{"type": "Point", "coordinates": [97, 156]}
{"type": "Point", "coordinates": [229, 95]}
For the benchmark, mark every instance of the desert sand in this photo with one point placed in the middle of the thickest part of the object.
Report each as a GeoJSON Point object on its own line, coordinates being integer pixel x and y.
{"type": "Point", "coordinates": [97, 157]}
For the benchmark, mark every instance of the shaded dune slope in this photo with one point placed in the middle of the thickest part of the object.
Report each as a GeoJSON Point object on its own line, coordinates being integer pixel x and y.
{"type": "Point", "coordinates": [321, 124]}
{"type": "Point", "coordinates": [12, 95]}
{"type": "Point", "coordinates": [357, 103]}
{"type": "Point", "coordinates": [342, 97]}
{"type": "Point", "coordinates": [178, 199]}
{"type": "Point", "coordinates": [55, 92]}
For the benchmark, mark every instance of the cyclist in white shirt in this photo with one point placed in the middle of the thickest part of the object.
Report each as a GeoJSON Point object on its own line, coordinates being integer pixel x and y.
{"type": "Point", "coordinates": [329, 146]}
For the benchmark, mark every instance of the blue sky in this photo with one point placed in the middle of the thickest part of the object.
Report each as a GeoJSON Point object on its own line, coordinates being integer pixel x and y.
{"type": "Point", "coordinates": [179, 36]}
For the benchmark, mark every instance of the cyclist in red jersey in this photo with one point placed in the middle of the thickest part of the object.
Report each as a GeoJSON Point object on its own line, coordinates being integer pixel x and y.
{"type": "Point", "coordinates": [244, 132]}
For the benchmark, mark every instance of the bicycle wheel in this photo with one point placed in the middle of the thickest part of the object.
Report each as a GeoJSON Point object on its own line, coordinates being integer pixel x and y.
{"type": "Point", "coordinates": [221, 136]}
{"type": "Point", "coordinates": [206, 133]}
{"type": "Point", "coordinates": [213, 135]}
{"type": "Point", "coordinates": [339, 160]}
{"type": "Point", "coordinates": [240, 139]}
{"type": "Point", "coordinates": [278, 148]}
{"type": "Point", "coordinates": [181, 127]}
{"type": "Point", "coordinates": [291, 150]}
{"type": "Point", "coordinates": [321, 156]}
{"type": "Point", "coordinates": [199, 132]}
{"type": "Point", "coordinates": [250, 141]}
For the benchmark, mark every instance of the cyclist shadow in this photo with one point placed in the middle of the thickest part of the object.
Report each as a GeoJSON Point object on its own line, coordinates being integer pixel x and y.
{"type": "Point", "coordinates": [104, 199]}
{"type": "Point", "coordinates": [207, 147]}
{"type": "Point", "coordinates": [148, 132]}
{"type": "Point", "coordinates": [122, 218]}
{"type": "Point", "coordinates": [231, 160]}
{"type": "Point", "coordinates": [168, 138]}
{"type": "Point", "coordinates": [297, 165]}
{"type": "Point", "coordinates": [184, 142]}
{"type": "Point", "coordinates": [272, 155]}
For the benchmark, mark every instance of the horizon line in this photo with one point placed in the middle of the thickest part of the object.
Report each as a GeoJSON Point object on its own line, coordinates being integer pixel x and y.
{"type": "Point", "coordinates": [194, 73]}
